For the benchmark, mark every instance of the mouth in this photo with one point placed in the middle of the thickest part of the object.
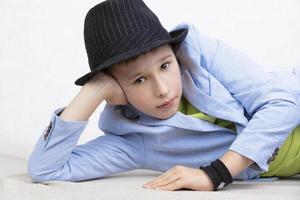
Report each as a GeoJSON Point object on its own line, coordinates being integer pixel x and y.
{"type": "Point", "coordinates": [167, 103]}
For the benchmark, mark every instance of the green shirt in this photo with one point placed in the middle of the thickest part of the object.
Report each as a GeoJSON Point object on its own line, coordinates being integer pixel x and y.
{"type": "Point", "coordinates": [188, 109]}
{"type": "Point", "coordinates": [287, 161]}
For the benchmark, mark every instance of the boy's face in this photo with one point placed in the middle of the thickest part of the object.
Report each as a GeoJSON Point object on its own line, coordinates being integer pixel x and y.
{"type": "Point", "coordinates": [151, 80]}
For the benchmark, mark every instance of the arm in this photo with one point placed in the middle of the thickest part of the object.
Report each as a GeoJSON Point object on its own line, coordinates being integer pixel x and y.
{"type": "Point", "coordinates": [100, 87]}
{"type": "Point", "coordinates": [235, 162]}
{"type": "Point", "coordinates": [83, 105]}
{"type": "Point", "coordinates": [57, 157]}
{"type": "Point", "coordinates": [272, 107]}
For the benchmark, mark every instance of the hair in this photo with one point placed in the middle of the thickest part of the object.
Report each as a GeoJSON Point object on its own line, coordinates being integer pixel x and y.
{"type": "Point", "coordinates": [174, 47]}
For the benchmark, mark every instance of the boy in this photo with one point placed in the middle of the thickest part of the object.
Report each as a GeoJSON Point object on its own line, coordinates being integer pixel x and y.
{"type": "Point", "coordinates": [177, 102]}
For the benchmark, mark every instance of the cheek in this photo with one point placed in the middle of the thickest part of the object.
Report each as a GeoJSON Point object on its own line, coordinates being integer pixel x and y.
{"type": "Point", "coordinates": [179, 82]}
{"type": "Point", "coordinates": [175, 80]}
{"type": "Point", "coordinates": [137, 97]}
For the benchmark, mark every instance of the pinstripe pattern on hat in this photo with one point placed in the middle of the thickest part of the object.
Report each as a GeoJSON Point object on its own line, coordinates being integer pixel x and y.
{"type": "Point", "coordinates": [115, 30]}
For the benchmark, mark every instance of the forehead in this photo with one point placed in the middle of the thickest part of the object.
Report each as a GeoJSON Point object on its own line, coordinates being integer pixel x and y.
{"type": "Point", "coordinates": [144, 62]}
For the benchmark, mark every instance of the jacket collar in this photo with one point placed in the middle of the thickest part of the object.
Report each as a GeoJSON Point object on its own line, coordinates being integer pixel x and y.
{"type": "Point", "coordinates": [198, 99]}
{"type": "Point", "coordinates": [197, 84]}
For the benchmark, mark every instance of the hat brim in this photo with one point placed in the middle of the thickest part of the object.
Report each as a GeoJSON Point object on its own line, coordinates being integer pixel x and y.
{"type": "Point", "coordinates": [177, 36]}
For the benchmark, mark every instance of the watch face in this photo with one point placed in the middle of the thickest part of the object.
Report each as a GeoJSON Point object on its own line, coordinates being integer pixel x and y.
{"type": "Point", "coordinates": [221, 185]}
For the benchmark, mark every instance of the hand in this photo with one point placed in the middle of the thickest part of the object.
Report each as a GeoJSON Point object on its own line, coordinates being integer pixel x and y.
{"type": "Point", "coordinates": [114, 94]}
{"type": "Point", "coordinates": [182, 177]}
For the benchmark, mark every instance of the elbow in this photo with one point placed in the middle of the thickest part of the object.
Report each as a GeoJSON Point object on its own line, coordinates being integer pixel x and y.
{"type": "Point", "coordinates": [36, 179]}
{"type": "Point", "coordinates": [36, 175]}
{"type": "Point", "coordinates": [286, 111]}
{"type": "Point", "coordinates": [33, 174]}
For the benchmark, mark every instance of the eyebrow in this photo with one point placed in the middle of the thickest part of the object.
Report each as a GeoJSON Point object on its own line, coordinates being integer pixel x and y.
{"type": "Point", "coordinates": [158, 61]}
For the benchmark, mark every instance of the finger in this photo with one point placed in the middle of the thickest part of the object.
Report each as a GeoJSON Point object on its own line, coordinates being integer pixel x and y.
{"type": "Point", "coordinates": [175, 185]}
{"type": "Point", "coordinates": [148, 183]}
{"type": "Point", "coordinates": [161, 178]}
{"type": "Point", "coordinates": [158, 178]}
{"type": "Point", "coordinates": [167, 181]}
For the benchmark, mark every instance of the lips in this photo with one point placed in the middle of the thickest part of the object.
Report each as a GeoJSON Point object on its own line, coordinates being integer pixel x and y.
{"type": "Point", "coordinates": [166, 102]}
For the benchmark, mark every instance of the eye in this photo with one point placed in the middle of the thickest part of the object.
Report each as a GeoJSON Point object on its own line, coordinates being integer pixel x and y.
{"type": "Point", "coordinates": [139, 80]}
{"type": "Point", "coordinates": [165, 66]}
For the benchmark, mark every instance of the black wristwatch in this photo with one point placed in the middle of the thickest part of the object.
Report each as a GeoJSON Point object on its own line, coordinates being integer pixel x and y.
{"type": "Point", "coordinates": [218, 173]}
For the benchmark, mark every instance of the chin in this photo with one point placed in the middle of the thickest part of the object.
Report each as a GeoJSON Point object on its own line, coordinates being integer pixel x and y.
{"type": "Point", "coordinates": [169, 115]}
{"type": "Point", "coordinates": [161, 114]}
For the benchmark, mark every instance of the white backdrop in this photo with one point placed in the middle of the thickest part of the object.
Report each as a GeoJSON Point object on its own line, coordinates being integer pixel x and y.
{"type": "Point", "coordinates": [42, 51]}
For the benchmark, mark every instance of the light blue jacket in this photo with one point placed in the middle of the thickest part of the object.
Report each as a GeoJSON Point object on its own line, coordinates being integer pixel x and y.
{"type": "Point", "coordinates": [219, 81]}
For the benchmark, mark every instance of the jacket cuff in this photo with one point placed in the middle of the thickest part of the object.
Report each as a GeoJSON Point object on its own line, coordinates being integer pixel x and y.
{"type": "Point", "coordinates": [58, 111]}
{"type": "Point", "coordinates": [260, 164]}
{"type": "Point", "coordinates": [59, 125]}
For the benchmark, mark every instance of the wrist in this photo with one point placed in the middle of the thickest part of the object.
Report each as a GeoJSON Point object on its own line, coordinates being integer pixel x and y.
{"type": "Point", "coordinates": [218, 174]}
{"type": "Point", "coordinates": [83, 104]}
{"type": "Point", "coordinates": [99, 91]}
{"type": "Point", "coordinates": [208, 180]}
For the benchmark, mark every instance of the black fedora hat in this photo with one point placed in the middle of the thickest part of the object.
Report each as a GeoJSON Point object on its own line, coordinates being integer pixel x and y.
{"type": "Point", "coordinates": [116, 30]}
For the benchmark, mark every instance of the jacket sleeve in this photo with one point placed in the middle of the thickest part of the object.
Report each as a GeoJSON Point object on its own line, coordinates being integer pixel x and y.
{"type": "Point", "coordinates": [274, 111]}
{"type": "Point", "coordinates": [57, 157]}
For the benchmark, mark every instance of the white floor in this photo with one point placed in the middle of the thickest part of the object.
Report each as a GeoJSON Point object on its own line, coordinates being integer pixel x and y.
{"type": "Point", "coordinates": [15, 184]}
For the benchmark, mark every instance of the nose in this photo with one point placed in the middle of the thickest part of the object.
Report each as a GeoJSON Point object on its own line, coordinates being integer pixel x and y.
{"type": "Point", "coordinates": [162, 88]}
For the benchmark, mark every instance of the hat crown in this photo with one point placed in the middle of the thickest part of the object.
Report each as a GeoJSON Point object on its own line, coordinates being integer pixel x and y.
{"type": "Point", "coordinates": [114, 26]}
{"type": "Point", "coordinates": [115, 30]}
